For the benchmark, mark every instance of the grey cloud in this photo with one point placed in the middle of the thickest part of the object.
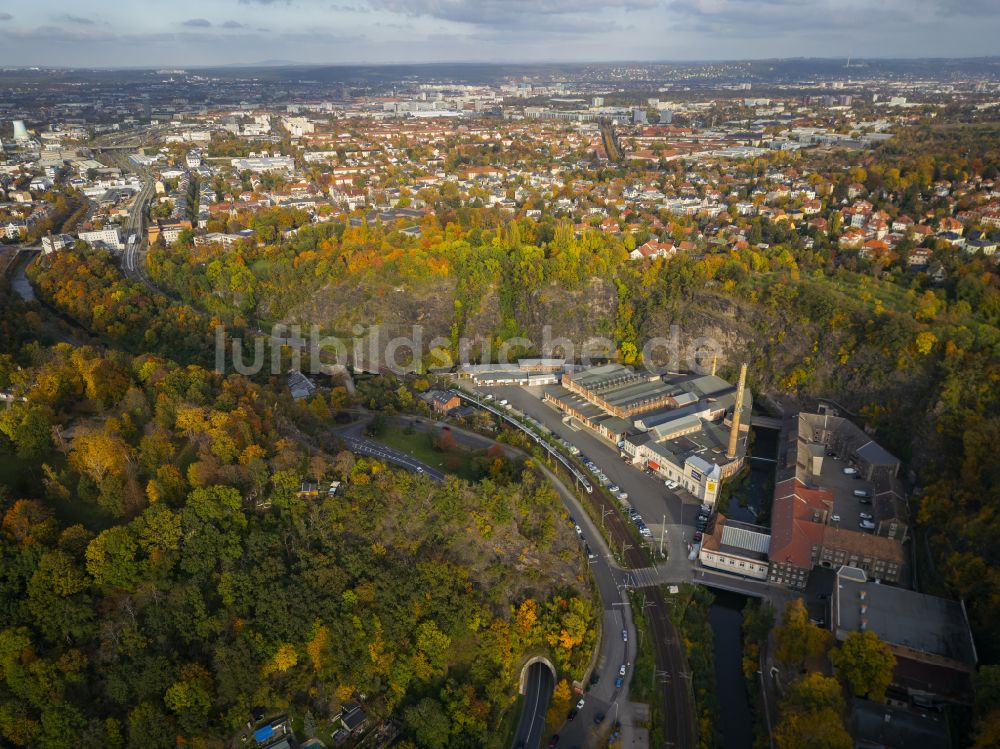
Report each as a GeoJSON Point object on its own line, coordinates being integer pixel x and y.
{"type": "Point", "coordinates": [232, 25]}
{"type": "Point", "coordinates": [5, 16]}
{"type": "Point", "coordinates": [77, 19]}
{"type": "Point", "coordinates": [197, 23]}
{"type": "Point", "coordinates": [556, 14]}
{"type": "Point", "coordinates": [770, 17]}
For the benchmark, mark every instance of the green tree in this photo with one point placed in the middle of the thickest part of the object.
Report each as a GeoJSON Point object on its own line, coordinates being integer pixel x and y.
{"type": "Point", "coordinates": [428, 724]}
{"type": "Point", "coordinates": [29, 427]}
{"type": "Point", "coordinates": [865, 664]}
{"type": "Point", "coordinates": [820, 729]}
{"type": "Point", "coordinates": [111, 558]}
{"type": "Point", "coordinates": [813, 692]}
{"type": "Point", "coordinates": [797, 638]}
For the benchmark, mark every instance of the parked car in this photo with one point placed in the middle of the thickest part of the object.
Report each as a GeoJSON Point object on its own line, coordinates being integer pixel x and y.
{"type": "Point", "coordinates": [579, 705]}
{"type": "Point", "coordinates": [614, 488]}
{"type": "Point", "coordinates": [671, 484]}
{"type": "Point", "coordinates": [621, 671]}
{"type": "Point", "coordinates": [579, 530]}
{"type": "Point", "coordinates": [866, 525]}
{"type": "Point", "coordinates": [861, 493]}
{"type": "Point", "coordinates": [624, 635]}
{"type": "Point", "coordinates": [835, 518]}
{"type": "Point", "coordinates": [599, 718]}
{"type": "Point", "coordinates": [618, 682]}
{"type": "Point", "coordinates": [553, 740]}
{"type": "Point", "coordinates": [504, 402]}
{"type": "Point", "coordinates": [865, 516]}
{"type": "Point", "coordinates": [645, 532]}
{"type": "Point", "coordinates": [850, 471]}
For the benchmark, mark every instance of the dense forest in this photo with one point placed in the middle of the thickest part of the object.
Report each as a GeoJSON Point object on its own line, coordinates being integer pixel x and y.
{"type": "Point", "coordinates": [916, 357]}
{"type": "Point", "coordinates": [161, 575]}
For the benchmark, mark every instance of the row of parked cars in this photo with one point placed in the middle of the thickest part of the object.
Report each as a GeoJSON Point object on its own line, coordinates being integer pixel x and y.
{"type": "Point", "coordinates": [602, 477]}
{"type": "Point", "coordinates": [636, 518]}
{"type": "Point", "coordinates": [865, 520]}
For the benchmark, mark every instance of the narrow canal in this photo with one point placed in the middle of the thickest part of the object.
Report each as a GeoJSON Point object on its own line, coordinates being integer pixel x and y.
{"type": "Point", "coordinates": [750, 504]}
{"type": "Point", "coordinates": [736, 717]}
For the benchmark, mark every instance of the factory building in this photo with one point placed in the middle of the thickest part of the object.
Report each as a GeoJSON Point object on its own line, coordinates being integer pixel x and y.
{"type": "Point", "coordinates": [688, 428]}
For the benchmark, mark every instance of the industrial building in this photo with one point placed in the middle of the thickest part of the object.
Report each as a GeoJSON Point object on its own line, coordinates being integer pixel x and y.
{"type": "Point", "coordinates": [930, 637]}
{"type": "Point", "coordinates": [837, 501]}
{"type": "Point", "coordinates": [688, 428]}
{"type": "Point", "coordinates": [736, 547]}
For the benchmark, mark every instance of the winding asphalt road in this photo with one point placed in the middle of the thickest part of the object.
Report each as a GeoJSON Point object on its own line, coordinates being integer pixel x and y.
{"type": "Point", "coordinates": [662, 510]}
{"type": "Point", "coordinates": [537, 693]}
{"type": "Point", "coordinates": [603, 698]}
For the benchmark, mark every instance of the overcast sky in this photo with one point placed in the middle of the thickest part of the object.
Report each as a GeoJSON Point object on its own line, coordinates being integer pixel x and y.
{"type": "Point", "coordinates": [207, 32]}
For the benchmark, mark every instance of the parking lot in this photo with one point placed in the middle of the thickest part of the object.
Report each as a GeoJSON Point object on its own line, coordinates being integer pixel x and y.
{"type": "Point", "coordinates": [846, 505]}
{"type": "Point", "coordinates": [657, 505]}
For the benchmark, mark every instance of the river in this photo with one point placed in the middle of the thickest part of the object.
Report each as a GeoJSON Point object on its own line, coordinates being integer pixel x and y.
{"type": "Point", "coordinates": [726, 614]}
{"type": "Point", "coordinates": [749, 498]}
{"type": "Point", "coordinates": [19, 281]}
{"type": "Point", "coordinates": [735, 716]}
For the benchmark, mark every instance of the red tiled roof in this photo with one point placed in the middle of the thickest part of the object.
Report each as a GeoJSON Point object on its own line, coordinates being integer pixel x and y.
{"type": "Point", "coordinates": [793, 532]}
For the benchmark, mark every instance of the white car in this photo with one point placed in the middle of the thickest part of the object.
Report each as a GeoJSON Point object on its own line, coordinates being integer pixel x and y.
{"type": "Point", "coordinates": [865, 516]}
{"type": "Point", "coordinates": [835, 518]}
{"type": "Point", "coordinates": [866, 525]}
{"type": "Point", "coordinates": [621, 671]}
{"type": "Point", "coordinates": [850, 471]}
{"type": "Point", "coordinates": [672, 484]}
{"type": "Point", "coordinates": [614, 488]}
{"type": "Point", "coordinates": [579, 705]}
{"type": "Point", "coordinates": [579, 530]}
{"type": "Point", "coordinates": [624, 635]}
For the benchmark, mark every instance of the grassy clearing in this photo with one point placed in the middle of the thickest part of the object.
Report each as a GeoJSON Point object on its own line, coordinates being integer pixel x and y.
{"type": "Point", "coordinates": [421, 445]}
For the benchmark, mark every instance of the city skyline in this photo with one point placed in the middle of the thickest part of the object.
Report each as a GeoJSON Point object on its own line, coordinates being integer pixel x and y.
{"type": "Point", "coordinates": [99, 33]}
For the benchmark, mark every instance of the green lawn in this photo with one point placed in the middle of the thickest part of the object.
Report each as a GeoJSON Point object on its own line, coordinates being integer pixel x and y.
{"type": "Point", "coordinates": [457, 461]}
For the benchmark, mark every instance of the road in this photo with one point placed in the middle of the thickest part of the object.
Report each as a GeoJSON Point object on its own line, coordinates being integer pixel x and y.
{"type": "Point", "coordinates": [602, 698]}
{"type": "Point", "coordinates": [537, 694]}
{"type": "Point", "coordinates": [661, 509]}
{"type": "Point", "coordinates": [355, 441]}
{"type": "Point", "coordinates": [651, 498]}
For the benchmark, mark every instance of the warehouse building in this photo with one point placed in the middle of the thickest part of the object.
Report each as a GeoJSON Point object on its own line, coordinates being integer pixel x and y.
{"type": "Point", "coordinates": [688, 428]}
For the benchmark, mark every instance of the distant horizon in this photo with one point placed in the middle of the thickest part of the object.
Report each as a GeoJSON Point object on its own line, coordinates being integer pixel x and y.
{"type": "Point", "coordinates": [518, 63]}
{"type": "Point", "coordinates": [197, 34]}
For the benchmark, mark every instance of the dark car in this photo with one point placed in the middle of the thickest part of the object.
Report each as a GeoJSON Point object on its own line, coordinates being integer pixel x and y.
{"type": "Point", "coordinates": [572, 714]}
{"type": "Point", "coordinates": [618, 682]}
{"type": "Point", "coordinates": [599, 718]}
{"type": "Point", "coordinates": [553, 740]}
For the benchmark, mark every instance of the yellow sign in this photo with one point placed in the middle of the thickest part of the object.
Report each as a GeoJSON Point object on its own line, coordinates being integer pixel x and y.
{"type": "Point", "coordinates": [710, 487]}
